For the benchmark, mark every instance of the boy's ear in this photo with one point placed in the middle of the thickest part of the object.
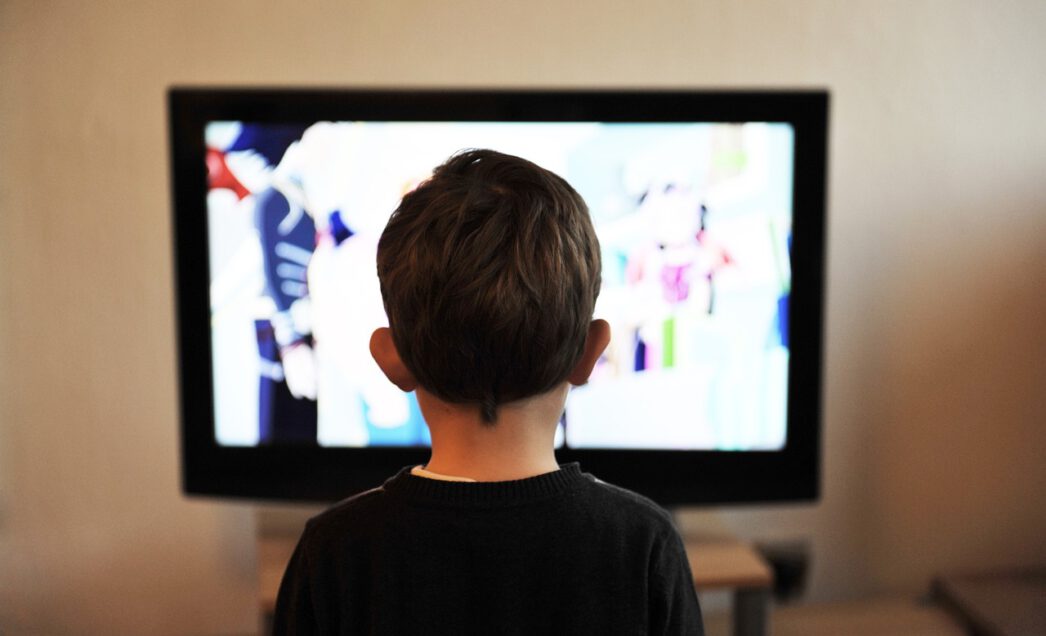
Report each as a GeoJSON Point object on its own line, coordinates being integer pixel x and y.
{"type": "Point", "coordinates": [383, 349]}
{"type": "Point", "coordinates": [597, 340]}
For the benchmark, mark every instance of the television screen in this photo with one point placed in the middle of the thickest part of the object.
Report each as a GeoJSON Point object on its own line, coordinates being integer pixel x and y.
{"type": "Point", "coordinates": [709, 212]}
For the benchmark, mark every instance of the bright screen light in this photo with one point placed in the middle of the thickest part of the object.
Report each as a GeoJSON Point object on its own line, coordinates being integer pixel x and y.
{"type": "Point", "coordinates": [694, 222]}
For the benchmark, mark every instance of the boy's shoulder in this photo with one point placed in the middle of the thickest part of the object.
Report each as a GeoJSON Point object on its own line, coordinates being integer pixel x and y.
{"type": "Point", "coordinates": [442, 544]}
{"type": "Point", "coordinates": [359, 509]}
{"type": "Point", "coordinates": [569, 492]}
{"type": "Point", "coordinates": [633, 503]}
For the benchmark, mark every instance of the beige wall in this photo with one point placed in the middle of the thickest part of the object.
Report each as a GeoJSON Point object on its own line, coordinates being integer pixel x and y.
{"type": "Point", "coordinates": [936, 347]}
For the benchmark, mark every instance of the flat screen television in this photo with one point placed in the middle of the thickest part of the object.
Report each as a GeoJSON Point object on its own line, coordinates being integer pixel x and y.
{"type": "Point", "coordinates": [710, 209]}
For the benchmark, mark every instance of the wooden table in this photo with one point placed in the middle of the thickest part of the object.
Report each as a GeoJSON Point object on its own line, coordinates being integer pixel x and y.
{"type": "Point", "coordinates": [274, 553]}
{"type": "Point", "coordinates": [733, 565]}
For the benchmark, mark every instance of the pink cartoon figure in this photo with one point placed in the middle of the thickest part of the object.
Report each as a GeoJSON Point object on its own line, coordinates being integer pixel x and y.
{"type": "Point", "coordinates": [674, 269]}
{"type": "Point", "coordinates": [682, 254]}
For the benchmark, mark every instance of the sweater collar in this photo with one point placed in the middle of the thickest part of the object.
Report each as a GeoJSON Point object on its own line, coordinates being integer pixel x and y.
{"type": "Point", "coordinates": [486, 493]}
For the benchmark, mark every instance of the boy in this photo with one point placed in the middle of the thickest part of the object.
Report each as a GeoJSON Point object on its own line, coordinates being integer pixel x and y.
{"type": "Point", "coordinates": [489, 272]}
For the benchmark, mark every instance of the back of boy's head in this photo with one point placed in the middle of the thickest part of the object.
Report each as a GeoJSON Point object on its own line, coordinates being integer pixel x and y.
{"type": "Point", "coordinates": [489, 272]}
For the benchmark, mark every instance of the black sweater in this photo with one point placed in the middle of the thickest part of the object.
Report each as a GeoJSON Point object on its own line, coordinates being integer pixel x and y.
{"type": "Point", "coordinates": [560, 553]}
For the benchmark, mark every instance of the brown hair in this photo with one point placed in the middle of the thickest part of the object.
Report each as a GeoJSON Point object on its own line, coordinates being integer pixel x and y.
{"type": "Point", "coordinates": [489, 272]}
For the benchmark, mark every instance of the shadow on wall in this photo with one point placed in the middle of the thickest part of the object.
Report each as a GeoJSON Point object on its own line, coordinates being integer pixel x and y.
{"type": "Point", "coordinates": [958, 478]}
{"type": "Point", "coordinates": [103, 593]}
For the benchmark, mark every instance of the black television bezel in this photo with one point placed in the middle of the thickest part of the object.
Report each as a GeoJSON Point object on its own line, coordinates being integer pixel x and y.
{"type": "Point", "coordinates": [307, 473]}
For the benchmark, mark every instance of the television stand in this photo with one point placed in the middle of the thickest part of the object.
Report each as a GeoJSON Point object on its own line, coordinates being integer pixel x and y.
{"type": "Point", "coordinates": [730, 564]}
{"type": "Point", "coordinates": [721, 563]}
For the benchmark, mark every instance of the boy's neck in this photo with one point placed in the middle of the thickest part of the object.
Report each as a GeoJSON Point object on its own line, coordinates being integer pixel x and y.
{"type": "Point", "coordinates": [519, 445]}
